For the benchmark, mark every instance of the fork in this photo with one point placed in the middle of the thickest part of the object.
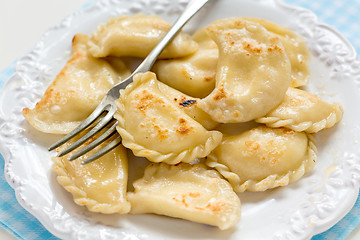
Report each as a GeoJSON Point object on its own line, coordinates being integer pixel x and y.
{"type": "Point", "coordinates": [108, 102]}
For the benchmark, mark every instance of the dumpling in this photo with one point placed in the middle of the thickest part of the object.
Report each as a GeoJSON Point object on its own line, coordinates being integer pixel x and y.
{"type": "Point", "coordinates": [264, 158]}
{"type": "Point", "coordinates": [188, 105]}
{"type": "Point", "coordinates": [193, 75]}
{"type": "Point", "coordinates": [303, 111]}
{"type": "Point", "coordinates": [295, 48]}
{"type": "Point", "coordinates": [100, 185]}
{"type": "Point", "coordinates": [253, 71]}
{"type": "Point", "coordinates": [136, 36]}
{"type": "Point", "coordinates": [152, 127]}
{"type": "Point", "coordinates": [76, 90]}
{"type": "Point", "coordinates": [186, 191]}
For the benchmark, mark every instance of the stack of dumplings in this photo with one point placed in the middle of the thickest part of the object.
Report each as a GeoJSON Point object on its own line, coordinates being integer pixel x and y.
{"type": "Point", "coordinates": [233, 73]}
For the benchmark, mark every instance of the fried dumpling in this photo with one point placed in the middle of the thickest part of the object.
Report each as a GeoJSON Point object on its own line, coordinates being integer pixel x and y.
{"type": "Point", "coordinates": [76, 90]}
{"type": "Point", "coordinates": [264, 158]}
{"type": "Point", "coordinates": [295, 48]}
{"type": "Point", "coordinates": [136, 36]}
{"type": "Point", "coordinates": [186, 191]}
{"type": "Point", "coordinates": [253, 71]}
{"type": "Point", "coordinates": [152, 127]}
{"type": "Point", "coordinates": [101, 185]}
{"type": "Point", "coordinates": [188, 105]}
{"type": "Point", "coordinates": [193, 75]}
{"type": "Point", "coordinates": [303, 111]}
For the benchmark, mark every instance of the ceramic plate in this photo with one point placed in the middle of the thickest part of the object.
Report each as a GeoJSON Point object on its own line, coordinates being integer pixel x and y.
{"type": "Point", "coordinates": [297, 211]}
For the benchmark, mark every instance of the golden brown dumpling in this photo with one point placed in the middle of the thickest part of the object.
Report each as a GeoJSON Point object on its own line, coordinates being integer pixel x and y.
{"type": "Point", "coordinates": [253, 71]}
{"type": "Point", "coordinates": [263, 158]}
{"type": "Point", "coordinates": [303, 111]}
{"type": "Point", "coordinates": [136, 36]}
{"type": "Point", "coordinates": [153, 127]}
{"type": "Point", "coordinates": [186, 191]}
{"type": "Point", "coordinates": [100, 185]}
{"type": "Point", "coordinates": [193, 75]}
{"type": "Point", "coordinates": [188, 105]}
{"type": "Point", "coordinates": [295, 48]}
{"type": "Point", "coordinates": [76, 90]}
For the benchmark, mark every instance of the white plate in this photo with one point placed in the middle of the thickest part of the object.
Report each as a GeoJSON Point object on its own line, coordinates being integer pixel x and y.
{"type": "Point", "coordinates": [297, 211]}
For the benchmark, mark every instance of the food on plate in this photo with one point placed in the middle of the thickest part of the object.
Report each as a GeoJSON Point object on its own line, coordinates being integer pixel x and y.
{"type": "Point", "coordinates": [76, 90]}
{"type": "Point", "coordinates": [188, 105]}
{"type": "Point", "coordinates": [295, 48]}
{"type": "Point", "coordinates": [153, 127]}
{"type": "Point", "coordinates": [253, 71]}
{"type": "Point", "coordinates": [235, 70]}
{"type": "Point", "coordinates": [186, 191]}
{"type": "Point", "coordinates": [100, 186]}
{"type": "Point", "coordinates": [303, 111]}
{"type": "Point", "coordinates": [195, 74]}
{"type": "Point", "coordinates": [264, 158]}
{"type": "Point", "coordinates": [136, 36]}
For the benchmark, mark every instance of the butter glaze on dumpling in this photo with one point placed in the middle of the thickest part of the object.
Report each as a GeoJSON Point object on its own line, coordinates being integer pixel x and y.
{"type": "Point", "coordinates": [136, 36]}
{"type": "Point", "coordinates": [303, 111]}
{"type": "Point", "coordinates": [76, 90]}
{"type": "Point", "coordinates": [100, 185]}
{"type": "Point", "coordinates": [193, 75]}
{"type": "Point", "coordinates": [186, 191]}
{"type": "Point", "coordinates": [264, 158]}
{"type": "Point", "coordinates": [295, 48]}
{"type": "Point", "coordinates": [153, 127]}
{"type": "Point", "coordinates": [253, 71]}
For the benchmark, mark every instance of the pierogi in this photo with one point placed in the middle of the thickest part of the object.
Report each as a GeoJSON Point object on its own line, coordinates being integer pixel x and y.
{"type": "Point", "coordinates": [186, 191]}
{"type": "Point", "coordinates": [136, 36]}
{"type": "Point", "coordinates": [193, 75]}
{"type": "Point", "coordinates": [76, 90]}
{"type": "Point", "coordinates": [101, 186]}
{"type": "Point", "coordinates": [295, 48]}
{"type": "Point", "coordinates": [188, 105]}
{"type": "Point", "coordinates": [264, 158]}
{"type": "Point", "coordinates": [303, 111]}
{"type": "Point", "coordinates": [253, 71]}
{"type": "Point", "coordinates": [153, 127]}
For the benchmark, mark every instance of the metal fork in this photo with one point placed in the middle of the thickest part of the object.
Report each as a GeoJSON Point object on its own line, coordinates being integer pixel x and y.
{"type": "Point", "coordinates": [107, 104]}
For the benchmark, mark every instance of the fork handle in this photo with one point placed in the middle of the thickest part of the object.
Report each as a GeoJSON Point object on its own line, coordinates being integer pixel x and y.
{"type": "Point", "coordinates": [190, 10]}
{"type": "Point", "coordinates": [192, 7]}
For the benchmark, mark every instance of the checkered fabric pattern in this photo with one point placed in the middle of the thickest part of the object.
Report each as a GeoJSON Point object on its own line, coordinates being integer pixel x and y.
{"type": "Point", "coordinates": [14, 218]}
{"type": "Point", "coordinates": [343, 15]}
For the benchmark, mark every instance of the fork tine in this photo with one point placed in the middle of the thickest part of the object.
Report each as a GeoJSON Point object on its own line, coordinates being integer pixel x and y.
{"type": "Point", "coordinates": [104, 121]}
{"type": "Point", "coordinates": [111, 131]}
{"type": "Point", "coordinates": [113, 144]}
{"type": "Point", "coordinates": [87, 122]}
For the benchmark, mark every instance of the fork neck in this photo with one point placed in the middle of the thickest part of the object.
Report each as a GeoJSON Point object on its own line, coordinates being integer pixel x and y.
{"type": "Point", "coordinates": [192, 7]}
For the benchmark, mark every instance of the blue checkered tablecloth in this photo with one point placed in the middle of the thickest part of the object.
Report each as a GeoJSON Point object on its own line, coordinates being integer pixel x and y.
{"type": "Point", "coordinates": [343, 15]}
